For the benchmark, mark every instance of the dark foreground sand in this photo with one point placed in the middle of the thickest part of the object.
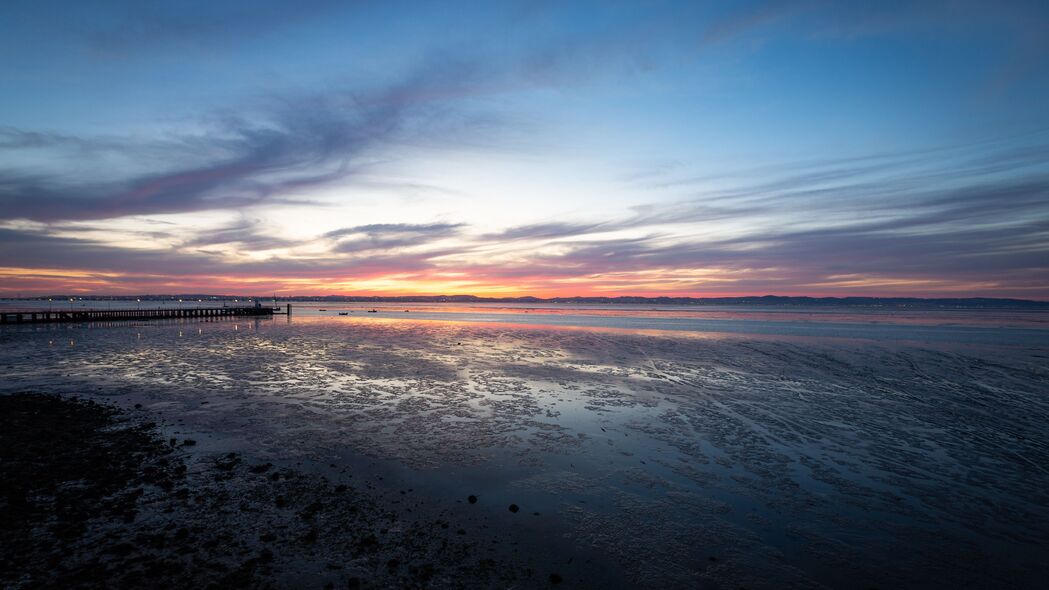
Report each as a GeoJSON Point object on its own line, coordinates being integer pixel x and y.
{"type": "Point", "coordinates": [641, 460]}
{"type": "Point", "coordinates": [94, 497]}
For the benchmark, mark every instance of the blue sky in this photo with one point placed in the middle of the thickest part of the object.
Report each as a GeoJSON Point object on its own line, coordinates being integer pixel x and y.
{"type": "Point", "coordinates": [604, 148]}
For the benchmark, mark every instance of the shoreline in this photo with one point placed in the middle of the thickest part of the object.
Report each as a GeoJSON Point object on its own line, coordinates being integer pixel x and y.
{"type": "Point", "coordinates": [659, 461]}
{"type": "Point", "coordinates": [99, 496]}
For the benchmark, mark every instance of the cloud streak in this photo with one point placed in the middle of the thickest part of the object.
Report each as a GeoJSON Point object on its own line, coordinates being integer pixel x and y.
{"type": "Point", "coordinates": [298, 143]}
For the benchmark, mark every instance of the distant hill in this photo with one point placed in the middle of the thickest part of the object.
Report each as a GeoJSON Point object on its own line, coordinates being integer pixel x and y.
{"type": "Point", "coordinates": [768, 300]}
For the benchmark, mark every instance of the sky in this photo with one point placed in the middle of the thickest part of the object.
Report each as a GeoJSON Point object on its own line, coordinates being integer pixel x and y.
{"type": "Point", "coordinates": [525, 148]}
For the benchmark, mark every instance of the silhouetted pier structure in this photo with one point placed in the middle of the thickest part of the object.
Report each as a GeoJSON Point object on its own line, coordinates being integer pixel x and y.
{"type": "Point", "coordinates": [108, 315]}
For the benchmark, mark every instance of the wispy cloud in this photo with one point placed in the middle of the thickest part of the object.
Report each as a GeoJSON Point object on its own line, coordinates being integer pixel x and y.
{"type": "Point", "coordinates": [297, 143]}
{"type": "Point", "coordinates": [389, 236]}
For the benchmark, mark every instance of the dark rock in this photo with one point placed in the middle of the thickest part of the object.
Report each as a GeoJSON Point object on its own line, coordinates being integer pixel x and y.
{"type": "Point", "coordinates": [472, 499]}
{"type": "Point", "coordinates": [189, 442]}
{"type": "Point", "coordinates": [514, 508]}
{"type": "Point", "coordinates": [423, 572]}
{"type": "Point", "coordinates": [556, 579]}
{"type": "Point", "coordinates": [263, 468]}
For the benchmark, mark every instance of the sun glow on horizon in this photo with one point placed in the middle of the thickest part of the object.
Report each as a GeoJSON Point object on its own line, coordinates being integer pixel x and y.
{"type": "Point", "coordinates": [674, 148]}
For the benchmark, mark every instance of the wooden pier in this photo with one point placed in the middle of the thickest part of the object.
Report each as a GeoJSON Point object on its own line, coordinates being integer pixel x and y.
{"type": "Point", "coordinates": [108, 315]}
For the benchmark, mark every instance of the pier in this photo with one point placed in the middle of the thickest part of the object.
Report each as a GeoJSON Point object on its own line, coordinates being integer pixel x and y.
{"type": "Point", "coordinates": [108, 315]}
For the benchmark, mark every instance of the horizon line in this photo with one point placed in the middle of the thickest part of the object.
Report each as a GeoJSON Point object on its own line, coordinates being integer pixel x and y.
{"type": "Point", "coordinates": [512, 297]}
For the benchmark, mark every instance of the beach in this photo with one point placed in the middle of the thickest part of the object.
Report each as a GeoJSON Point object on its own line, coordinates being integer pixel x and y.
{"type": "Point", "coordinates": [639, 447]}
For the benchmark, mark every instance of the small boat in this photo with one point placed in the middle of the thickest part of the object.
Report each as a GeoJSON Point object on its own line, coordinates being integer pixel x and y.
{"type": "Point", "coordinates": [373, 311]}
{"type": "Point", "coordinates": [322, 310]}
{"type": "Point", "coordinates": [344, 313]}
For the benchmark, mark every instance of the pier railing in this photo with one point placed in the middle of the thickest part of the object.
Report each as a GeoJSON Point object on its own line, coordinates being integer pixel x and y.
{"type": "Point", "coordinates": [97, 315]}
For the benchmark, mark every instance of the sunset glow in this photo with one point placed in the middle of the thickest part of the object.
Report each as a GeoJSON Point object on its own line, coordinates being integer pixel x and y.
{"type": "Point", "coordinates": [599, 150]}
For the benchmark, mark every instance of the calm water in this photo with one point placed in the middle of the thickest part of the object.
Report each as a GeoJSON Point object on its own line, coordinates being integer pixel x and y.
{"type": "Point", "coordinates": [718, 447]}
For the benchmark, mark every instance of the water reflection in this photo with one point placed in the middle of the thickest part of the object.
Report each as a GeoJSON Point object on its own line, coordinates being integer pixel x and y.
{"type": "Point", "coordinates": [787, 454]}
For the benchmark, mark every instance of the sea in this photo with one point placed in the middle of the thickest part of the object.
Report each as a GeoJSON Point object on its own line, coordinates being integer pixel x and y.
{"type": "Point", "coordinates": [645, 445]}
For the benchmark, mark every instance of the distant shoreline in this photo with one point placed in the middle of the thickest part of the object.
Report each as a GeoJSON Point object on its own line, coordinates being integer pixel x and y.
{"type": "Point", "coordinates": [769, 300]}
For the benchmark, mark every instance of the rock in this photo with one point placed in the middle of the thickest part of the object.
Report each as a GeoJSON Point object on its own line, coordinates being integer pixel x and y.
{"type": "Point", "coordinates": [472, 499]}
{"type": "Point", "coordinates": [556, 579]}
{"type": "Point", "coordinates": [514, 508]}
{"type": "Point", "coordinates": [189, 442]}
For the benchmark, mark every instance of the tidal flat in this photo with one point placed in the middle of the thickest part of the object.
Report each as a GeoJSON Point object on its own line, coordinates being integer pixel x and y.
{"type": "Point", "coordinates": [523, 452]}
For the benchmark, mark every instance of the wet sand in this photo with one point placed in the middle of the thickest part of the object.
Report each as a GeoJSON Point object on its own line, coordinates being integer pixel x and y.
{"type": "Point", "coordinates": [95, 497]}
{"type": "Point", "coordinates": [653, 459]}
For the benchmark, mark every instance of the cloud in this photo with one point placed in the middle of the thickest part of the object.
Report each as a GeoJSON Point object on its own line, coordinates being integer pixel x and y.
{"type": "Point", "coordinates": [975, 216]}
{"type": "Point", "coordinates": [389, 236]}
{"type": "Point", "coordinates": [246, 233]}
{"type": "Point", "coordinates": [550, 230]}
{"type": "Point", "coordinates": [30, 248]}
{"type": "Point", "coordinates": [972, 219]}
{"type": "Point", "coordinates": [297, 143]}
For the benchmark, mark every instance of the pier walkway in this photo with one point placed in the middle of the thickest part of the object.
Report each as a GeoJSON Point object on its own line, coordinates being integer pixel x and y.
{"type": "Point", "coordinates": [106, 315]}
